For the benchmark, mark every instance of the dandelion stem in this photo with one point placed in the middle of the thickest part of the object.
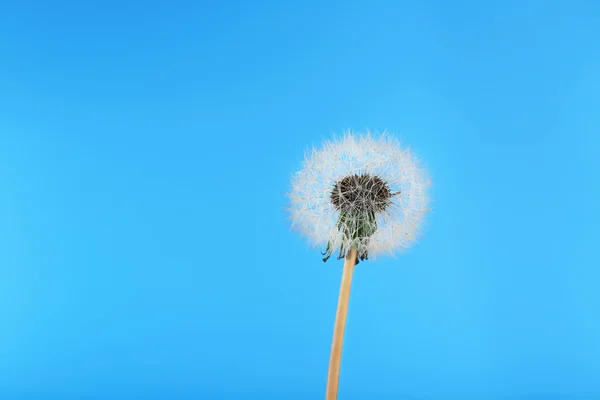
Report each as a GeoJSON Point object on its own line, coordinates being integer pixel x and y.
{"type": "Point", "coordinates": [335, 359]}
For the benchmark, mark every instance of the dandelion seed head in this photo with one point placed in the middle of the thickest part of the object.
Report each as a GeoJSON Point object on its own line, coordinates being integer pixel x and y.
{"type": "Point", "coordinates": [360, 191]}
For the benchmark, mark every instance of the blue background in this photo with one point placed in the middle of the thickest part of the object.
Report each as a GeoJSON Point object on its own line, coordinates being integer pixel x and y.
{"type": "Point", "coordinates": [145, 150]}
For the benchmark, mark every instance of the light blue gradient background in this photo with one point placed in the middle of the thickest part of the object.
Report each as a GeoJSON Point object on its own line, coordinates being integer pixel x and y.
{"type": "Point", "coordinates": [145, 149]}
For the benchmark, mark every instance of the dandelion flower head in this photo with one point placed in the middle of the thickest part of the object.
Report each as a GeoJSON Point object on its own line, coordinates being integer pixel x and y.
{"type": "Point", "coordinates": [362, 192]}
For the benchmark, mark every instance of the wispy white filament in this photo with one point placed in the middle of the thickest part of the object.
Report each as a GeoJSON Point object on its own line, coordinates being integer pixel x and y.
{"type": "Point", "coordinates": [314, 214]}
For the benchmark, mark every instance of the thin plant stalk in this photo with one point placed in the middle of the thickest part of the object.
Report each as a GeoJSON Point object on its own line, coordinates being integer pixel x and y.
{"type": "Point", "coordinates": [335, 358]}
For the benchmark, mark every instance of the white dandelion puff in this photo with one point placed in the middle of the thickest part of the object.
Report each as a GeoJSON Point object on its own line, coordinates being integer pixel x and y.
{"type": "Point", "coordinates": [361, 192]}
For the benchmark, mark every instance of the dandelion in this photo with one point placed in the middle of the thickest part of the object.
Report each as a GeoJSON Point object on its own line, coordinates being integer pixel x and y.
{"type": "Point", "coordinates": [360, 196]}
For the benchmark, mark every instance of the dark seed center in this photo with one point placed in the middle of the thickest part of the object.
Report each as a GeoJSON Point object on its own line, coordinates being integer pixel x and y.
{"type": "Point", "coordinates": [361, 192]}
